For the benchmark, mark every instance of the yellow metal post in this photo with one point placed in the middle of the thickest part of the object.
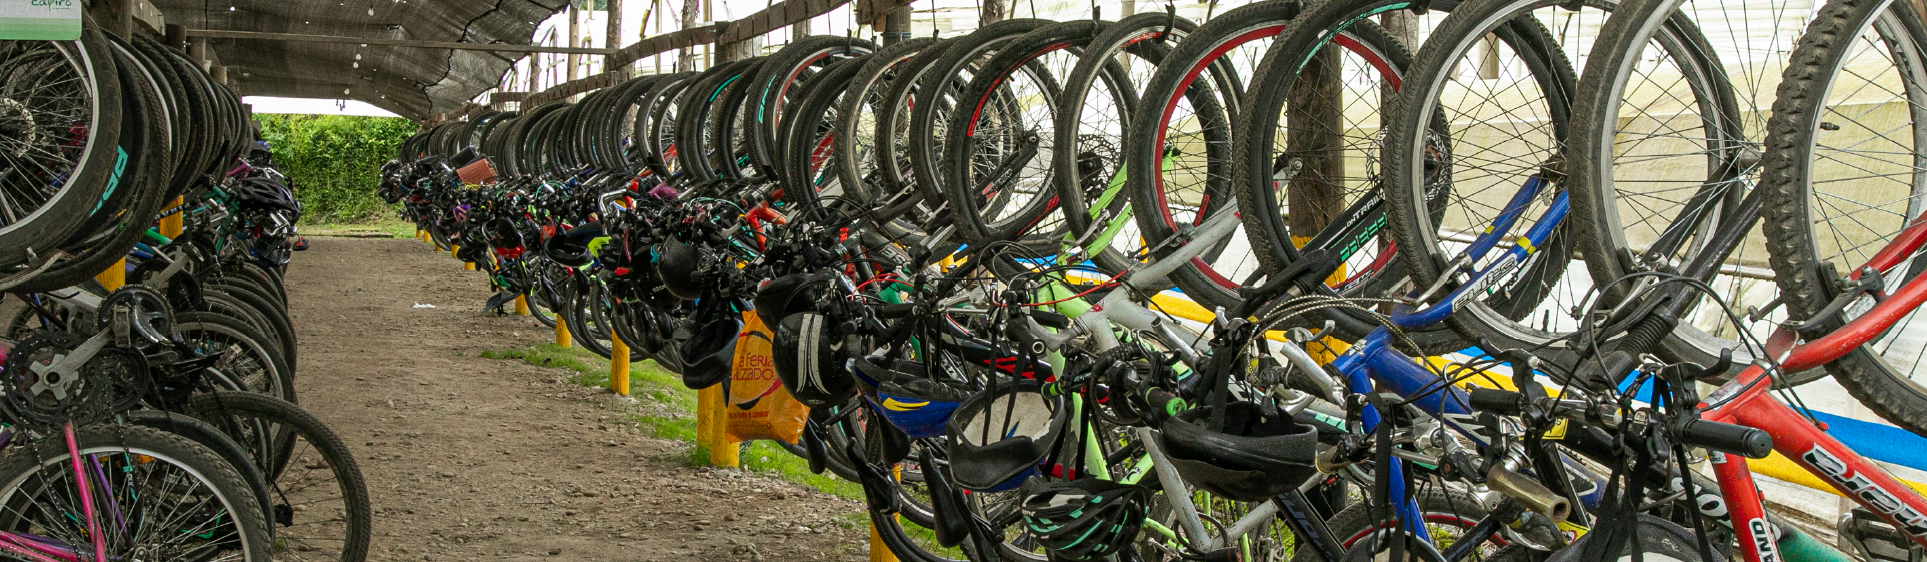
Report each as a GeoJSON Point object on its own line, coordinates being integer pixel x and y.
{"type": "Point", "coordinates": [713, 405]}
{"type": "Point", "coordinates": [880, 552]}
{"type": "Point", "coordinates": [468, 266]}
{"type": "Point", "coordinates": [452, 249]}
{"type": "Point", "coordinates": [706, 419]}
{"type": "Point", "coordinates": [618, 365]}
{"type": "Point", "coordinates": [115, 276]}
{"type": "Point", "coordinates": [521, 305]}
{"type": "Point", "coordinates": [562, 332]}
{"type": "Point", "coordinates": [171, 226]}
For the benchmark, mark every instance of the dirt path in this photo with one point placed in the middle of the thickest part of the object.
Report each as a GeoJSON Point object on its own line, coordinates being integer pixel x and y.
{"type": "Point", "coordinates": [470, 458]}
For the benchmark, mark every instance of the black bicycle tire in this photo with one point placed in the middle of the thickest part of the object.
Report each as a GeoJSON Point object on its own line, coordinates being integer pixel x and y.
{"type": "Point", "coordinates": [1804, 283]}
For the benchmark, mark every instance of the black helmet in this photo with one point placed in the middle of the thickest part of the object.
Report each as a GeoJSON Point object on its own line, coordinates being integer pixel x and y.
{"type": "Point", "coordinates": [678, 263]}
{"type": "Point", "coordinates": [571, 249]}
{"type": "Point", "coordinates": [1254, 459]}
{"type": "Point", "coordinates": [504, 237]}
{"type": "Point", "coordinates": [1000, 437]}
{"type": "Point", "coordinates": [1084, 519]}
{"type": "Point", "coordinates": [810, 362]}
{"type": "Point", "coordinates": [710, 351]}
{"type": "Point", "coordinates": [789, 294]}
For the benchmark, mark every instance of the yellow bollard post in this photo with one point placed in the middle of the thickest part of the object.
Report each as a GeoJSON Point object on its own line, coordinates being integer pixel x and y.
{"type": "Point", "coordinates": [618, 366]}
{"type": "Point", "coordinates": [421, 235]}
{"type": "Point", "coordinates": [521, 305]}
{"type": "Point", "coordinates": [171, 225]}
{"type": "Point", "coordinates": [706, 419]}
{"type": "Point", "coordinates": [115, 276]}
{"type": "Point", "coordinates": [452, 249]}
{"type": "Point", "coordinates": [880, 552]}
{"type": "Point", "coordinates": [562, 333]}
{"type": "Point", "coordinates": [722, 451]}
{"type": "Point", "coordinates": [468, 266]}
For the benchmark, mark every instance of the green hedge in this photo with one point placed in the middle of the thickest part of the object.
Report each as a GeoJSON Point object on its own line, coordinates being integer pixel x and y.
{"type": "Point", "coordinates": [335, 161]}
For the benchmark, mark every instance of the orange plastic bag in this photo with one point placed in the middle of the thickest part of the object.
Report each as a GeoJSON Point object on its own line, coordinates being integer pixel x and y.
{"type": "Point", "coordinates": [759, 406]}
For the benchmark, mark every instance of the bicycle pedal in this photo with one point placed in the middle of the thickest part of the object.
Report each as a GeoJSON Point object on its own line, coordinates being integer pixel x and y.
{"type": "Point", "coordinates": [1863, 533]}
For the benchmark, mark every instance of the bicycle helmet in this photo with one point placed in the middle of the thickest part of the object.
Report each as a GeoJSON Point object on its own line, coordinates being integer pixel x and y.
{"type": "Point", "coordinates": [912, 402]}
{"type": "Point", "coordinates": [679, 265]}
{"type": "Point", "coordinates": [809, 361]}
{"type": "Point", "coordinates": [1005, 434]}
{"type": "Point", "coordinates": [1253, 459]}
{"type": "Point", "coordinates": [710, 351]}
{"type": "Point", "coordinates": [790, 294]}
{"type": "Point", "coordinates": [1085, 519]}
{"type": "Point", "coordinates": [571, 249]}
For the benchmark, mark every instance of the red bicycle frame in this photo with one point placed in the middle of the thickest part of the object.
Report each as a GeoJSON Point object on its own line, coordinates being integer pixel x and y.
{"type": "Point", "coordinates": [1745, 401]}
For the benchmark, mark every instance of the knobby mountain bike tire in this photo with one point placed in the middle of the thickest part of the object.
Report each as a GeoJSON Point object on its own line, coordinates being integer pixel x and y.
{"type": "Point", "coordinates": [1838, 189]}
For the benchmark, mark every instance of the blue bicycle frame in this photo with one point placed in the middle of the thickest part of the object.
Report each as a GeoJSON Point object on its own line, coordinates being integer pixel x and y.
{"type": "Point", "coordinates": [1374, 365]}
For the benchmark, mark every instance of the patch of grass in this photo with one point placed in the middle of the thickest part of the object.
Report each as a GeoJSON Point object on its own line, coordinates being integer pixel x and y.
{"type": "Point", "coordinates": [647, 381]}
{"type": "Point", "coordinates": [391, 226]}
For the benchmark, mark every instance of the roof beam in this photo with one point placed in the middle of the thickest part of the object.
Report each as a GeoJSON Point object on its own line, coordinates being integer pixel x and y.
{"type": "Point", "coordinates": [454, 45]}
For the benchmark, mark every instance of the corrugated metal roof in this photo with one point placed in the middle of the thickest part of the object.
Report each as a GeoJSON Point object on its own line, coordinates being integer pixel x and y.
{"type": "Point", "coordinates": [412, 82]}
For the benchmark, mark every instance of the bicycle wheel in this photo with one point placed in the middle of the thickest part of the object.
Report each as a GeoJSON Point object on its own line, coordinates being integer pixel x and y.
{"type": "Point", "coordinates": [998, 145]}
{"type": "Point", "coordinates": [1485, 106]}
{"type": "Point", "coordinates": [245, 356]}
{"type": "Point", "coordinates": [808, 174]}
{"type": "Point", "coordinates": [158, 484]}
{"type": "Point", "coordinates": [784, 82]}
{"type": "Point", "coordinates": [63, 108]}
{"type": "Point", "coordinates": [859, 144]}
{"type": "Point", "coordinates": [658, 131]}
{"type": "Point", "coordinates": [319, 502]}
{"type": "Point", "coordinates": [1177, 154]}
{"type": "Point", "coordinates": [1664, 149]}
{"type": "Point", "coordinates": [1843, 177]}
{"type": "Point", "coordinates": [1101, 94]}
{"type": "Point", "coordinates": [1448, 514]}
{"type": "Point", "coordinates": [935, 100]}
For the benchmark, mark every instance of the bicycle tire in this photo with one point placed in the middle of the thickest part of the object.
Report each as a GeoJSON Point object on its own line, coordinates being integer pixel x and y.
{"type": "Point", "coordinates": [1791, 217]}
{"type": "Point", "coordinates": [205, 467]}
{"type": "Point", "coordinates": [220, 410]}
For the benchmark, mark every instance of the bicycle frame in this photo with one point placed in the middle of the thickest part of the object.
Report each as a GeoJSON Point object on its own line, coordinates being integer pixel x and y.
{"type": "Point", "coordinates": [39, 549]}
{"type": "Point", "coordinates": [1745, 401]}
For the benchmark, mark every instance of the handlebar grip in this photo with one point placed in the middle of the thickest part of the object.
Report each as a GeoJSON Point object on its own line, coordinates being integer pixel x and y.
{"type": "Point", "coordinates": [1495, 400]}
{"type": "Point", "coordinates": [1051, 319]}
{"type": "Point", "coordinates": [1748, 442]}
{"type": "Point", "coordinates": [895, 310]}
{"type": "Point", "coordinates": [1163, 404]}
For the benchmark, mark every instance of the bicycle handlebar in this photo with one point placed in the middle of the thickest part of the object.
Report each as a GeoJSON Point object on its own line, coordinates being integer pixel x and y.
{"type": "Point", "coordinates": [1724, 437]}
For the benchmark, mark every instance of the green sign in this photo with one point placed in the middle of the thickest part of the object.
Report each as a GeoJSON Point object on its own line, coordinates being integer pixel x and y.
{"type": "Point", "coordinates": [41, 20]}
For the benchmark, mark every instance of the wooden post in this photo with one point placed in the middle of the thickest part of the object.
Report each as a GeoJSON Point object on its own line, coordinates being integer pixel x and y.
{"type": "Point", "coordinates": [562, 331]}
{"type": "Point", "coordinates": [896, 25]}
{"type": "Point", "coordinates": [197, 51]}
{"type": "Point", "coordinates": [612, 39]}
{"type": "Point", "coordinates": [575, 37]}
{"type": "Point", "coordinates": [1316, 111]}
{"type": "Point", "coordinates": [521, 305]}
{"type": "Point", "coordinates": [686, 61]}
{"type": "Point", "coordinates": [176, 36]}
{"type": "Point", "coordinates": [219, 74]}
{"type": "Point", "coordinates": [992, 12]}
